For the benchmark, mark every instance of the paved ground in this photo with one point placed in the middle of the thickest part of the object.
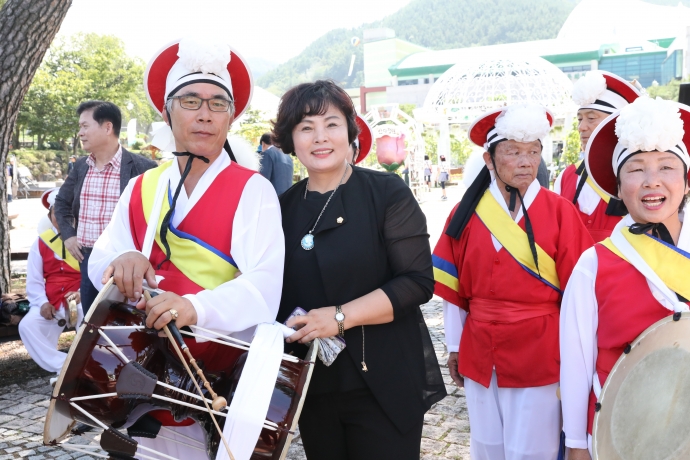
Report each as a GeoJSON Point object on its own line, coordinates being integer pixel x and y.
{"type": "Point", "coordinates": [23, 405]}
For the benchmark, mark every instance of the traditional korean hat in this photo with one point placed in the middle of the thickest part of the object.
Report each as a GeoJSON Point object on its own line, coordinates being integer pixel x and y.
{"type": "Point", "coordinates": [521, 123]}
{"type": "Point", "coordinates": [187, 61]}
{"type": "Point", "coordinates": [603, 91]}
{"type": "Point", "coordinates": [364, 140]}
{"type": "Point", "coordinates": [48, 197]}
{"type": "Point", "coordinates": [646, 125]}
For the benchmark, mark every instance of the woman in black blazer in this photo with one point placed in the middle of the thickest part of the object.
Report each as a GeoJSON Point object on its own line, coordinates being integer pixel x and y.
{"type": "Point", "coordinates": [357, 259]}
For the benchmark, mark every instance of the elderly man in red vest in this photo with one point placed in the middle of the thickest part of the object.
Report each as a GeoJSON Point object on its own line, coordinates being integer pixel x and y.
{"type": "Point", "coordinates": [598, 94]}
{"type": "Point", "coordinates": [52, 281]}
{"type": "Point", "coordinates": [506, 253]}
{"type": "Point", "coordinates": [188, 226]}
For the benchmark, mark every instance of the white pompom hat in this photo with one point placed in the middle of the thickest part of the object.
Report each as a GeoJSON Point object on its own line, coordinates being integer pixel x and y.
{"type": "Point", "coordinates": [603, 91]}
{"type": "Point", "coordinates": [646, 125]}
{"type": "Point", "coordinates": [519, 122]}
{"type": "Point", "coordinates": [189, 60]}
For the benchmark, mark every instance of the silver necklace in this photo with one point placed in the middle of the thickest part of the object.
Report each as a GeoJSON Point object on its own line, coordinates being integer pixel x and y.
{"type": "Point", "coordinates": [308, 239]}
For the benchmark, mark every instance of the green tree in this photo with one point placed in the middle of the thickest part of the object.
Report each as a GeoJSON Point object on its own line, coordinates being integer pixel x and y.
{"type": "Point", "coordinates": [669, 91]}
{"type": "Point", "coordinates": [571, 152]}
{"type": "Point", "coordinates": [254, 123]}
{"type": "Point", "coordinates": [76, 69]}
{"type": "Point", "coordinates": [460, 149]}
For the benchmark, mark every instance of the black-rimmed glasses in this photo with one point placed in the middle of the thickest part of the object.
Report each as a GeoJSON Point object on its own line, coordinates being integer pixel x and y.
{"type": "Point", "coordinates": [215, 104]}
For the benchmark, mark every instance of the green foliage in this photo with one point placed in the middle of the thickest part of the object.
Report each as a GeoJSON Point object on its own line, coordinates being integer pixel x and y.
{"type": "Point", "coordinates": [76, 69]}
{"type": "Point", "coordinates": [460, 149]}
{"type": "Point", "coordinates": [669, 91]}
{"type": "Point", "coordinates": [431, 144]}
{"type": "Point", "coordinates": [41, 162]}
{"type": "Point", "coordinates": [254, 124]}
{"type": "Point", "coordinates": [572, 149]}
{"type": "Point", "coordinates": [436, 24]}
{"type": "Point", "coordinates": [408, 109]}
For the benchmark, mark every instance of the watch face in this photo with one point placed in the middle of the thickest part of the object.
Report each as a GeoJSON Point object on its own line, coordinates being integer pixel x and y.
{"type": "Point", "coordinates": [339, 317]}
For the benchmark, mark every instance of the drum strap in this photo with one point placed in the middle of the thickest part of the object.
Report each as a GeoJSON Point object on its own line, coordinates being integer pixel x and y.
{"type": "Point", "coordinates": [596, 385]}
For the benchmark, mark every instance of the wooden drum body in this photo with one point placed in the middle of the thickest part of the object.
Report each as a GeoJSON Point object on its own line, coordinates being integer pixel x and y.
{"type": "Point", "coordinates": [92, 369]}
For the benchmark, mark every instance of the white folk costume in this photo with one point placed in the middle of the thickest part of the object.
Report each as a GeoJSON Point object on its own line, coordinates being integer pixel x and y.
{"type": "Point", "coordinates": [230, 222]}
{"type": "Point", "coordinates": [51, 273]}
{"type": "Point", "coordinates": [629, 281]}
{"type": "Point", "coordinates": [501, 306]}
{"type": "Point", "coordinates": [607, 93]}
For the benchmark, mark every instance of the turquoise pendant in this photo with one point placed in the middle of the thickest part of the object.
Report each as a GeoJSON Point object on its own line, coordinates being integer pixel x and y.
{"type": "Point", "coordinates": [308, 242]}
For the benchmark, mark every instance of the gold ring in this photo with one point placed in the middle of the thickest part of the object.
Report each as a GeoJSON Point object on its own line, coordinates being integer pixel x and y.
{"type": "Point", "coordinates": [173, 313]}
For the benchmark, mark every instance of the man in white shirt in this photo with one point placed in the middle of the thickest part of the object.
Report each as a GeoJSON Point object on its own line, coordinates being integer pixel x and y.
{"type": "Point", "coordinates": [201, 202]}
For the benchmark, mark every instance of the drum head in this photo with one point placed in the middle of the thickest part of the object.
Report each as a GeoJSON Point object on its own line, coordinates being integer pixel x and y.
{"type": "Point", "coordinates": [57, 425]}
{"type": "Point", "coordinates": [646, 398]}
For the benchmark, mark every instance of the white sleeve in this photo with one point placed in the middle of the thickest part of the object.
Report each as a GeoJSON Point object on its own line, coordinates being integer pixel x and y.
{"type": "Point", "coordinates": [557, 184]}
{"type": "Point", "coordinates": [35, 283]}
{"type": "Point", "coordinates": [578, 342]}
{"type": "Point", "coordinates": [258, 248]}
{"type": "Point", "coordinates": [453, 322]}
{"type": "Point", "coordinates": [115, 240]}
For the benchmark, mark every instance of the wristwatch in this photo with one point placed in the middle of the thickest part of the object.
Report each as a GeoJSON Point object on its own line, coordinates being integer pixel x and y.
{"type": "Point", "coordinates": [340, 318]}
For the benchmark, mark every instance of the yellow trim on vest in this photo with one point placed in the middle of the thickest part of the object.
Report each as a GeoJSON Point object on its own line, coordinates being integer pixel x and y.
{"type": "Point", "coordinates": [56, 247]}
{"type": "Point", "coordinates": [670, 265]}
{"type": "Point", "coordinates": [591, 183]}
{"type": "Point", "coordinates": [196, 262]}
{"type": "Point", "coordinates": [446, 279]}
{"type": "Point", "coordinates": [514, 239]}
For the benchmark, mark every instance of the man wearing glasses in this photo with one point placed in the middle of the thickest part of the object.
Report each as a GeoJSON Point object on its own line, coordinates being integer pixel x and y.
{"type": "Point", "coordinates": [190, 226]}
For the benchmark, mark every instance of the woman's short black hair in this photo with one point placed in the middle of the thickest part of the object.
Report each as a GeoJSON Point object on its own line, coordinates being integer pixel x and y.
{"type": "Point", "coordinates": [311, 99]}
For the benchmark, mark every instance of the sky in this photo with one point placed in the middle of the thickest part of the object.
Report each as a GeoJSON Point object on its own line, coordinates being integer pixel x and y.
{"type": "Point", "coordinates": [272, 30]}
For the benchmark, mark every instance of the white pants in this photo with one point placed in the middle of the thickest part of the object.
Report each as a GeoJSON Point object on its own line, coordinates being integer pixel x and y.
{"type": "Point", "coordinates": [513, 423]}
{"type": "Point", "coordinates": [181, 450]}
{"type": "Point", "coordinates": [40, 337]}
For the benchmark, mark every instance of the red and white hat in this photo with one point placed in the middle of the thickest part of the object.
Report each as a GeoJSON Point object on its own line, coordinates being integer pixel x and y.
{"type": "Point", "coordinates": [364, 140]}
{"type": "Point", "coordinates": [646, 125]}
{"type": "Point", "coordinates": [603, 91]}
{"type": "Point", "coordinates": [191, 60]}
{"type": "Point", "coordinates": [48, 197]}
{"type": "Point", "coordinates": [519, 122]}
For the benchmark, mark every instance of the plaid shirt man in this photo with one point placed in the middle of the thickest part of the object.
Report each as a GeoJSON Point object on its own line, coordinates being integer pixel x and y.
{"type": "Point", "coordinates": [99, 195]}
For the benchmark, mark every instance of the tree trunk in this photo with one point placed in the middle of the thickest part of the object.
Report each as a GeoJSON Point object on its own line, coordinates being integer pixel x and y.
{"type": "Point", "coordinates": [27, 27]}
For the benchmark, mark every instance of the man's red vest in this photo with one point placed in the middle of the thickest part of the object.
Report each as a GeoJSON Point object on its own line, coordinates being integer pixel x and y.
{"type": "Point", "coordinates": [209, 223]}
{"type": "Point", "coordinates": [599, 224]}
{"type": "Point", "coordinates": [59, 276]}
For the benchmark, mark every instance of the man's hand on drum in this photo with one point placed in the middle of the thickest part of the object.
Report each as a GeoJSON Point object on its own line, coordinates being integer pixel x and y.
{"type": "Point", "coordinates": [578, 454]}
{"type": "Point", "coordinates": [73, 295]}
{"type": "Point", "coordinates": [129, 271]}
{"type": "Point", "coordinates": [318, 323]}
{"type": "Point", "coordinates": [453, 369]}
{"type": "Point", "coordinates": [158, 311]}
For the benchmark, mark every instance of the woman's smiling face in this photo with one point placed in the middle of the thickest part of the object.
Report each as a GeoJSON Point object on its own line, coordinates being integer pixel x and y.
{"type": "Point", "coordinates": [652, 186]}
{"type": "Point", "coordinates": [321, 141]}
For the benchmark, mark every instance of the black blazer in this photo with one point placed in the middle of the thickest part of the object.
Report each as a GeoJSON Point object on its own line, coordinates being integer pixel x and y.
{"type": "Point", "coordinates": [67, 201]}
{"type": "Point", "coordinates": [355, 258]}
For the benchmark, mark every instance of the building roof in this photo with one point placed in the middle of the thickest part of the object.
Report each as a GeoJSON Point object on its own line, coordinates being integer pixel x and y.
{"type": "Point", "coordinates": [614, 21]}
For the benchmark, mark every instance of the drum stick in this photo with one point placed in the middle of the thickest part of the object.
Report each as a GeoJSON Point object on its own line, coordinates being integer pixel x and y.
{"type": "Point", "coordinates": [217, 400]}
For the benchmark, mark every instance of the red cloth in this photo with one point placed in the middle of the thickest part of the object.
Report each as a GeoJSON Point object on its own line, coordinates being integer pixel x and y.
{"type": "Point", "coordinates": [523, 346]}
{"type": "Point", "coordinates": [99, 195]}
{"type": "Point", "coordinates": [210, 221]}
{"type": "Point", "coordinates": [59, 276]}
{"type": "Point", "coordinates": [626, 308]}
{"type": "Point", "coordinates": [599, 224]}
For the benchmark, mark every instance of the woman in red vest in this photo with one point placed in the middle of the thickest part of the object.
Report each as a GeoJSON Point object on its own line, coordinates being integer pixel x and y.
{"type": "Point", "coordinates": [618, 287]}
{"type": "Point", "coordinates": [52, 277]}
